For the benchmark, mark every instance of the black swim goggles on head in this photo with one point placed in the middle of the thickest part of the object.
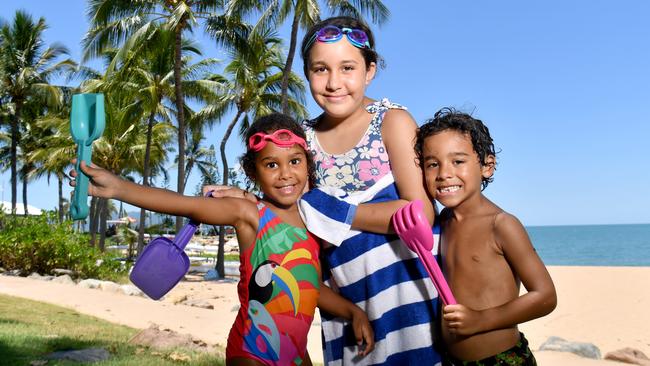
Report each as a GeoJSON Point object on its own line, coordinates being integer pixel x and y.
{"type": "Point", "coordinates": [332, 33]}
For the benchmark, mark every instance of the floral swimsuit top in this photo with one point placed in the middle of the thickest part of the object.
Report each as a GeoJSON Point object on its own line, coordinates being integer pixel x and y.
{"type": "Point", "coordinates": [362, 166]}
{"type": "Point", "coordinates": [278, 290]}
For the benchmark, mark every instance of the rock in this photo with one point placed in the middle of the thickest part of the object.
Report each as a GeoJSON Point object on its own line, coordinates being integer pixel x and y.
{"type": "Point", "coordinates": [14, 272]}
{"type": "Point", "coordinates": [61, 271]}
{"type": "Point", "coordinates": [90, 283]}
{"type": "Point", "coordinates": [628, 355]}
{"type": "Point", "coordinates": [84, 355]}
{"type": "Point", "coordinates": [558, 344]}
{"type": "Point", "coordinates": [131, 290]}
{"type": "Point", "coordinates": [198, 304]}
{"type": "Point", "coordinates": [165, 339]}
{"type": "Point", "coordinates": [109, 286]}
{"type": "Point", "coordinates": [35, 276]}
{"type": "Point", "coordinates": [2, 270]}
{"type": "Point", "coordinates": [65, 279]}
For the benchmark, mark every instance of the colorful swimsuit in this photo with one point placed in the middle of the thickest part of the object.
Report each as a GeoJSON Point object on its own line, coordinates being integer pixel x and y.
{"type": "Point", "coordinates": [278, 291]}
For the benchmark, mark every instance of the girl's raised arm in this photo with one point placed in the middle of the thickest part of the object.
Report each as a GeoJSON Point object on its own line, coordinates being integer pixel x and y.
{"type": "Point", "coordinates": [241, 214]}
{"type": "Point", "coordinates": [398, 132]}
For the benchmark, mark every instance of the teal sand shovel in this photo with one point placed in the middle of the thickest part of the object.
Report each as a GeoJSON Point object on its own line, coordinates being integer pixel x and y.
{"type": "Point", "coordinates": [86, 125]}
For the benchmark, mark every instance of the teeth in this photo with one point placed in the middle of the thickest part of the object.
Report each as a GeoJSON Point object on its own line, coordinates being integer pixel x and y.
{"type": "Point", "coordinates": [449, 189]}
{"type": "Point", "coordinates": [287, 189]}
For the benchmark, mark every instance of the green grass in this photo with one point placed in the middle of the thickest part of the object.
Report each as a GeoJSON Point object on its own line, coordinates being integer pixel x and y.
{"type": "Point", "coordinates": [29, 330]}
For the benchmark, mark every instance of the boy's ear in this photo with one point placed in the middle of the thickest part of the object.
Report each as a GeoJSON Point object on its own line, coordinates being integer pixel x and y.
{"type": "Point", "coordinates": [370, 72]}
{"type": "Point", "coordinates": [487, 169]}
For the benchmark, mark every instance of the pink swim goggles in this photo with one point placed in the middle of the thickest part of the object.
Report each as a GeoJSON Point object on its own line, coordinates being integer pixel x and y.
{"type": "Point", "coordinates": [281, 138]}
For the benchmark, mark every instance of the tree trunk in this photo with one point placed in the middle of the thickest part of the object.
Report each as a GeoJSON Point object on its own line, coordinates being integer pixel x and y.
{"type": "Point", "coordinates": [220, 266]}
{"type": "Point", "coordinates": [287, 67]}
{"type": "Point", "coordinates": [181, 114]}
{"type": "Point", "coordinates": [103, 214]}
{"type": "Point", "coordinates": [15, 137]}
{"type": "Point", "coordinates": [25, 212]}
{"type": "Point", "coordinates": [145, 182]}
{"type": "Point", "coordinates": [92, 220]}
{"type": "Point", "coordinates": [59, 178]}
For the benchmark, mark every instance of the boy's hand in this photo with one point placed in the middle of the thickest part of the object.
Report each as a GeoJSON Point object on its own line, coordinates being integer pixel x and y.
{"type": "Point", "coordinates": [461, 320]}
{"type": "Point", "coordinates": [363, 332]}
{"type": "Point", "coordinates": [102, 183]}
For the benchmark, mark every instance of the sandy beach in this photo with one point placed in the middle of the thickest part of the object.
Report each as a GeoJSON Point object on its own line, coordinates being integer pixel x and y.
{"type": "Point", "coordinates": [606, 306]}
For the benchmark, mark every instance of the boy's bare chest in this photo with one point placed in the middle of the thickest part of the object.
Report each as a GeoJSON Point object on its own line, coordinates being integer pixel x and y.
{"type": "Point", "coordinates": [470, 246]}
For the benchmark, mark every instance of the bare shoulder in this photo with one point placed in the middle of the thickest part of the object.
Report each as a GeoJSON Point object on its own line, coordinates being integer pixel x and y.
{"type": "Point", "coordinates": [395, 119]}
{"type": "Point", "coordinates": [504, 221]}
{"type": "Point", "coordinates": [398, 128]}
{"type": "Point", "coordinates": [509, 232]}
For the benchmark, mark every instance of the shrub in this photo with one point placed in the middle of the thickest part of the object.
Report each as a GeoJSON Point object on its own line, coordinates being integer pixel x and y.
{"type": "Point", "coordinates": [41, 244]}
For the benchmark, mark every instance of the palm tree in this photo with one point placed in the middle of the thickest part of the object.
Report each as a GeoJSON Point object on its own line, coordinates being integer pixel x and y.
{"type": "Point", "coordinates": [121, 147]}
{"type": "Point", "coordinates": [304, 13]}
{"type": "Point", "coordinates": [251, 90]}
{"type": "Point", "coordinates": [199, 156]}
{"type": "Point", "coordinates": [113, 21]}
{"type": "Point", "coordinates": [149, 68]}
{"type": "Point", "coordinates": [26, 69]}
{"type": "Point", "coordinates": [52, 155]}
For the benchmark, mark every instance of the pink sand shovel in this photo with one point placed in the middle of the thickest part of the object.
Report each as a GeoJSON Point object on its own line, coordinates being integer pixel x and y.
{"type": "Point", "coordinates": [413, 228]}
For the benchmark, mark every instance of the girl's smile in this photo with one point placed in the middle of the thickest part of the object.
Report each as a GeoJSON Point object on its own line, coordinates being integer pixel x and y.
{"type": "Point", "coordinates": [338, 78]}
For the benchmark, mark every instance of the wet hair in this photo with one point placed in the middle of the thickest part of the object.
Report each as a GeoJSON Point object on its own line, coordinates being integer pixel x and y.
{"type": "Point", "coordinates": [269, 124]}
{"type": "Point", "coordinates": [369, 54]}
{"type": "Point", "coordinates": [450, 119]}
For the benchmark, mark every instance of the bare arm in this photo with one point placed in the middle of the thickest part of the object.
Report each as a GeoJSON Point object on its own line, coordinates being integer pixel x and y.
{"type": "Point", "coordinates": [398, 133]}
{"type": "Point", "coordinates": [539, 300]}
{"type": "Point", "coordinates": [341, 307]}
{"type": "Point", "coordinates": [228, 211]}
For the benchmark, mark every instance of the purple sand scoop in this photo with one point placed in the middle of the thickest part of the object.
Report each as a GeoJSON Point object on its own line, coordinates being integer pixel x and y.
{"type": "Point", "coordinates": [413, 228]}
{"type": "Point", "coordinates": [163, 263]}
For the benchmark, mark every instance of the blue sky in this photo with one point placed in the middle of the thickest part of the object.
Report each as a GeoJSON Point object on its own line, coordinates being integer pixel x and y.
{"type": "Point", "coordinates": [563, 86]}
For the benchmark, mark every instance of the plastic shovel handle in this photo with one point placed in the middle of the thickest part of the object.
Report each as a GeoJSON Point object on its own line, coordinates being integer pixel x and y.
{"type": "Point", "coordinates": [87, 122]}
{"type": "Point", "coordinates": [185, 234]}
{"type": "Point", "coordinates": [413, 228]}
{"type": "Point", "coordinates": [436, 275]}
{"type": "Point", "coordinates": [79, 207]}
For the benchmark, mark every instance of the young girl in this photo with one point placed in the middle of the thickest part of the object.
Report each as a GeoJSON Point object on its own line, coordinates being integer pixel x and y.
{"type": "Point", "coordinates": [279, 272]}
{"type": "Point", "coordinates": [365, 171]}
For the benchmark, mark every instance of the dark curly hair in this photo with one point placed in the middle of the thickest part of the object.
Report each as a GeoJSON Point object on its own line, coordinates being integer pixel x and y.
{"type": "Point", "coordinates": [269, 124]}
{"type": "Point", "coordinates": [369, 54]}
{"type": "Point", "coordinates": [450, 119]}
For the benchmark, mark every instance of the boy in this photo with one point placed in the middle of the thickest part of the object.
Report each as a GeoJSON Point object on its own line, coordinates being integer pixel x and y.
{"type": "Point", "coordinates": [486, 251]}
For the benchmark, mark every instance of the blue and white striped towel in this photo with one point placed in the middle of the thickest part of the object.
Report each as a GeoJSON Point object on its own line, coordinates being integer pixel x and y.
{"type": "Point", "coordinates": [379, 274]}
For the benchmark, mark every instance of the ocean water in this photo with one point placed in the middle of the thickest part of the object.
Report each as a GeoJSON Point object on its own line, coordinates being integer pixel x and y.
{"type": "Point", "coordinates": [592, 245]}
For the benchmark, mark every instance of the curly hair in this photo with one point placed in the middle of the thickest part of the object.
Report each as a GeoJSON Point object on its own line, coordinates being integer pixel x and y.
{"type": "Point", "coordinates": [369, 54]}
{"type": "Point", "coordinates": [450, 119]}
{"type": "Point", "coordinates": [269, 124]}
